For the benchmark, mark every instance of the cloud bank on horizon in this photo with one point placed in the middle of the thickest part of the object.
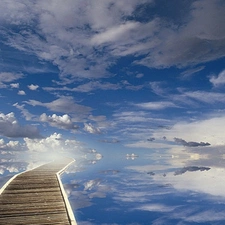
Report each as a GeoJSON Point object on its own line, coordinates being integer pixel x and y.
{"type": "Point", "coordinates": [129, 71]}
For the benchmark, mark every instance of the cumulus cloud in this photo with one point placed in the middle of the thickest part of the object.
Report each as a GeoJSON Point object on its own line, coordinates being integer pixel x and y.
{"type": "Point", "coordinates": [11, 146]}
{"type": "Point", "coordinates": [13, 168]}
{"type": "Point", "coordinates": [21, 92]}
{"type": "Point", "coordinates": [10, 127]}
{"type": "Point", "coordinates": [15, 85]}
{"type": "Point", "coordinates": [53, 143]}
{"type": "Point", "coordinates": [191, 143]}
{"type": "Point", "coordinates": [91, 129]}
{"type": "Point", "coordinates": [63, 121]}
{"type": "Point", "coordinates": [33, 87]}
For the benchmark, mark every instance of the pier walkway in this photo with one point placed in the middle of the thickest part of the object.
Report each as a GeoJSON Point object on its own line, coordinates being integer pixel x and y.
{"type": "Point", "coordinates": [37, 197]}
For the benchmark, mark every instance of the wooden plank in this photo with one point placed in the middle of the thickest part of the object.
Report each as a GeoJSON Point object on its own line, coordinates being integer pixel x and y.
{"type": "Point", "coordinates": [37, 197]}
{"type": "Point", "coordinates": [46, 219]}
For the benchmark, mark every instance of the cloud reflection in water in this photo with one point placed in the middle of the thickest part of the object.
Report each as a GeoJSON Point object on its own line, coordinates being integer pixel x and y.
{"type": "Point", "coordinates": [148, 190]}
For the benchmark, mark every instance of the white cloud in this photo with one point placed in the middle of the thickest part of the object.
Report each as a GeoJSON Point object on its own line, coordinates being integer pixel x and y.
{"type": "Point", "coordinates": [11, 145]}
{"type": "Point", "coordinates": [63, 121]}
{"type": "Point", "coordinates": [147, 144]}
{"type": "Point", "coordinates": [207, 97]}
{"type": "Point", "coordinates": [10, 127]}
{"type": "Point", "coordinates": [139, 75]}
{"type": "Point", "coordinates": [206, 216]}
{"type": "Point", "coordinates": [188, 73]}
{"type": "Point", "coordinates": [155, 208]}
{"type": "Point", "coordinates": [93, 85]}
{"type": "Point", "coordinates": [27, 115]}
{"type": "Point", "coordinates": [15, 85]}
{"type": "Point", "coordinates": [55, 143]}
{"type": "Point", "coordinates": [91, 184]}
{"type": "Point", "coordinates": [10, 169]}
{"type": "Point", "coordinates": [207, 182]}
{"type": "Point", "coordinates": [6, 77]}
{"type": "Point", "coordinates": [104, 33]}
{"type": "Point", "coordinates": [57, 146]}
{"type": "Point", "coordinates": [64, 105]}
{"type": "Point", "coordinates": [110, 141]}
{"type": "Point", "coordinates": [218, 80]}
{"type": "Point", "coordinates": [33, 87]}
{"type": "Point", "coordinates": [97, 118]}
{"type": "Point", "coordinates": [135, 117]}
{"type": "Point", "coordinates": [131, 116]}
{"type": "Point", "coordinates": [21, 92]}
{"type": "Point", "coordinates": [91, 129]}
{"type": "Point", "coordinates": [199, 40]}
{"type": "Point", "coordinates": [155, 105]}
{"type": "Point", "coordinates": [157, 88]}
{"type": "Point", "coordinates": [205, 130]}
{"type": "Point", "coordinates": [114, 34]}
{"type": "Point", "coordinates": [200, 182]}
{"type": "Point", "coordinates": [87, 87]}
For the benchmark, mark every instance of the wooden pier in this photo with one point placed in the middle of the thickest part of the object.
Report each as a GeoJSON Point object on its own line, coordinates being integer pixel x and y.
{"type": "Point", "coordinates": [37, 197]}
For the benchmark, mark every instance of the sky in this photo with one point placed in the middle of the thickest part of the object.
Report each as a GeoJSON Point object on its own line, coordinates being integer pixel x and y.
{"type": "Point", "coordinates": [97, 80]}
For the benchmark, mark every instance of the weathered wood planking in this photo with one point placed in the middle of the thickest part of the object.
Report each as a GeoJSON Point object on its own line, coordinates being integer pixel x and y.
{"type": "Point", "coordinates": [37, 197]}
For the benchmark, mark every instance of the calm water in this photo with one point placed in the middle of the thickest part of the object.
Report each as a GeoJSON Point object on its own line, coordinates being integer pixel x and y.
{"type": "Point", "coordinates": [154, 188]}
{"type": "Point", "coordinates": [167, 186]}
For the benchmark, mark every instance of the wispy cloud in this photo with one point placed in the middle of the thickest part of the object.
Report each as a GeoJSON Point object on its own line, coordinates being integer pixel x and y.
{"type": "Point", "coordinates": [64, 105]}
{"type": "Point", "coordinates": [108, 30]}
{"type": "Point", "coordinates": [7, 77]}
{"type": "Point", "coordinates": [155, 208]}
{"type": "Point", "coordinates": [27, 115]}
{"type": "Point", "coordinates": [110, 141]}
{"type": "Point", "coordinates": [87, 87]}
{"type": "Point", "coordinates": [219, 80]}
{"type": "Point", "coordinates": [188, 73]}
{"type": "Point", "coordinates": [206, 97]}
{"type": "Point", "coordinates": [156, 105]}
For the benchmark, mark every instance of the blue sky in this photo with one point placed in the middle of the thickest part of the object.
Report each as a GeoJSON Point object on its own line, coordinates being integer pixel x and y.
{"type": "Point", "coordinates": [112, 71]}
{"type": "Point", "coordinates": [115, 76]}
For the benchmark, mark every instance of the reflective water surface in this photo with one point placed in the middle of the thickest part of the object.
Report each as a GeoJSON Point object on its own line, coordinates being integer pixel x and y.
{"type": "Point", "coordinates": [154, 188]}
{"type": "Point", "coordinates": [174, 185]}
